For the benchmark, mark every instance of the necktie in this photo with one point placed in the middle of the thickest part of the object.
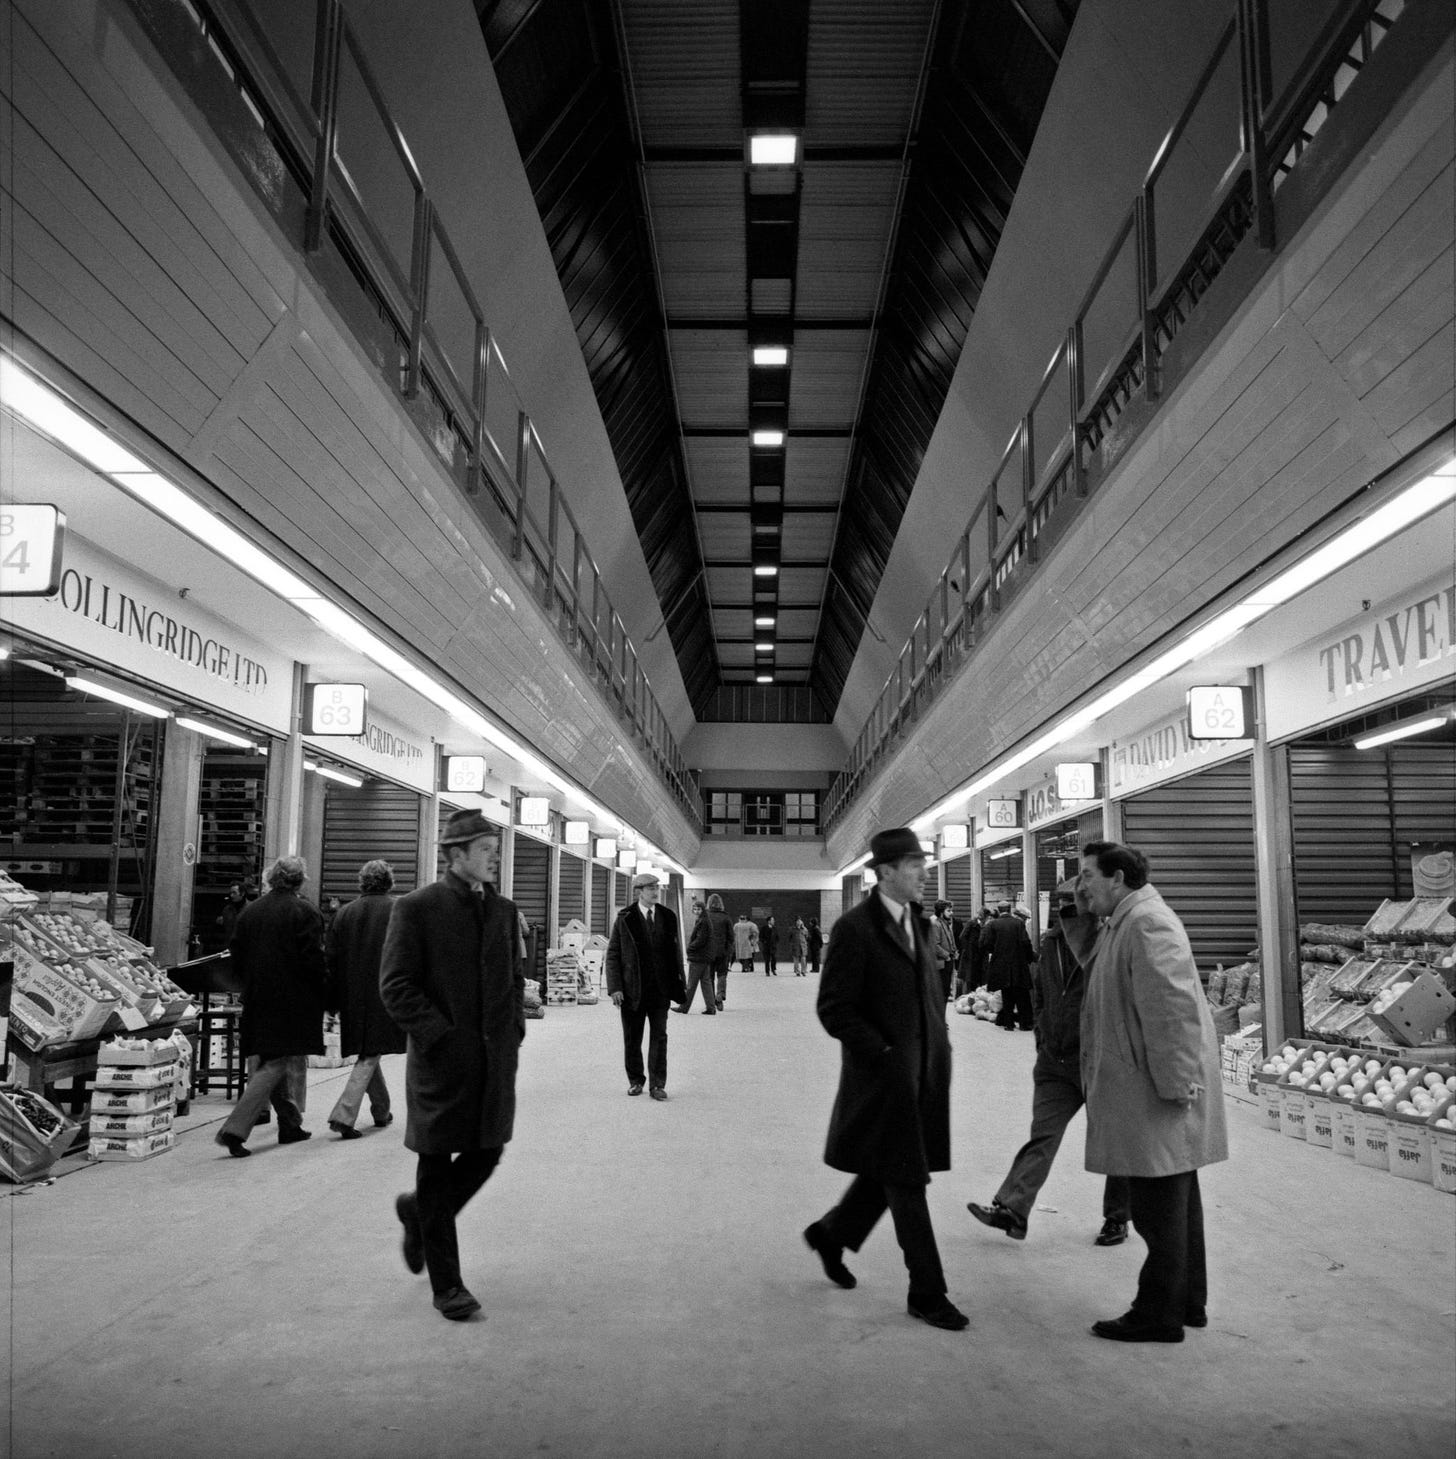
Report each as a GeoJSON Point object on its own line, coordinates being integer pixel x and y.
{"type": "Point", "coordinates": [907, 929]}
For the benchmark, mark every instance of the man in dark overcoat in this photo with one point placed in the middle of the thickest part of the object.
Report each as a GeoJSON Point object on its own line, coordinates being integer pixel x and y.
{"type": "Point", "coordinates": [354, 948]}
{"type": "Point", "coordinates": [278, 951]}
{"type": "Point", "coordinates": [452, 979]}
{"type": "Point", "coordinates": [1009, 955]}
{"type": "Point", "coordinates": [644, 978]}
{"type": "Point", "coordinates": [882, 998]}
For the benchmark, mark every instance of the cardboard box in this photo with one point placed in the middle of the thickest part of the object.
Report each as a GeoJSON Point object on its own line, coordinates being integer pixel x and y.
{"type": "Point", "coordinates": [137, 1051]}
{"type": "Point", "coordinates": [1419, 1014]}
{"type": "Point", "coordinates": [1344, 1127]}
{"type": "Point", "coordinates": [1410, 1149]}
{"type": "Point", "coordinates": [1293, 1111]}
{"type": "Point", "coordinates": [1319, 1123]}
{"type": "Point", "coordinates": [51, 1006]}
{"type": "Point", "coordinates": [1443, 1158]}
{"type": "Point", "coordinates": [134, 1076]}
{"type": "Point", "coordinates": [33, 1134]}
{"type": "Point", "coordinates": [1372, 1143]}
{"type": "Point", "coordinates": [130, 1126]}
{"type": "Point", "coordinates": [130, 1101]}
{"type": "Point", "coordinates": [1270, 1101]}
{"type": "Point", "coordinates": [143, 1148]}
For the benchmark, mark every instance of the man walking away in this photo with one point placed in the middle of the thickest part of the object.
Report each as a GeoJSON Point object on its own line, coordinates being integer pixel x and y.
{"type": "Point", "coordinates": [1008, 955]}
{"type": "Point", "coordinates": [721, 946]}
{"type": "Point", "coordinates": [355, 949]}
{"type": "Point", "coordinates": [881, 997]}
{"type": "Point", "coordinates": [1150, 1070]}
{"type": "Point", "coordinates": [644, 977]}
{"type": "Point", "coordinates": [278, 950]}
{"type": "Point", "coordinates": [1058, 991]}
{"type": "Point", "coordinates": [453, 980]}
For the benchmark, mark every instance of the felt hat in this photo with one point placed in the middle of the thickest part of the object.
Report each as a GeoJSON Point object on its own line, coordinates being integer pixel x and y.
{"type": "Point", "coordinates": [892, 845]}
{"type": "Point", "coordinates": [645, 879]}
{"type": "Point", "coordinates": [465, 826]}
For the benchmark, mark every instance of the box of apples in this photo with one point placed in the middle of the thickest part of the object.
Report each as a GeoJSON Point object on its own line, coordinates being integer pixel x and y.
{"type": "Point", "coordinates": [1424, 1095]}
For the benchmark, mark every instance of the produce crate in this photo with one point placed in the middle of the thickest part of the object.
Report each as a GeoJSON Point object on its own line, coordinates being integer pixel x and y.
{"type": "Point", "coordinates": [34, 1134]}
{"type": "Point", "coordinates": [1344, 1127]}
{"type": "Point", "coordinates": [1419, 1014]}
{"type": "Point", "coordinates": [1372, 1145]}
{"type": "Point", "coordinates": [134, 1076]}
{"type": "Point", "coordinates": [1443, 1157]}
{"type": "Point", "coordinates": [131, 1101]}
{"type": "Point", "coordinates": [137, 1051]}
{"type": "Point", "coordinates": [142, 1148]}
{"type": "Point", "coordinates": [130, 1127]}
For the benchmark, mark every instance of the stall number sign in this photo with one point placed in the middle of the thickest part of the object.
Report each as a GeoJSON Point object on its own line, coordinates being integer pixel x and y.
{"type": "Point", "coordinates": [335, 709]}
{"type": "Point", "coordinates": [1220, 712]}
{"type": "Point", "coordinates": [31, 539]}
{"type": "Point", "coordinates": [1001, 814]}
{"type": "Point", "coordinates": [465, 773]}
{"type": "Point", "coordinates": [1077, 782]}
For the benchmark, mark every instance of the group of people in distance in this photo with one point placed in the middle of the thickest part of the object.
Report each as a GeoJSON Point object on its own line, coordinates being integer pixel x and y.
{"type": "Point", "coordinates": [1142, 1056]}
{"type": "Point", "coordinates": [1122, 1025]}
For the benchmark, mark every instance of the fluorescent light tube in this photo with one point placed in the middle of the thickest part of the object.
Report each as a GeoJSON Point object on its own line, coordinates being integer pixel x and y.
{"type": "Point", "coordinates": [766, 622]}
{"type": "Point", "coordinates": [213, 733]}
{"type": "Point", "coordinates": [770, 354]}
{"type": "Point", "coordinates": [329, 773]}
{"type": "Point", "coordinates": [105, 691]}
{"type": "Point", "coordinates": [44, 409]}
{"type": "Point", "coordinates": [766, 570]}
{"type": "Point", "coordinates": [767, 438]}
{"type": "Point", "coordinates": [1402, 732]}
{"type": "Point", "coordinates": [773, 149]}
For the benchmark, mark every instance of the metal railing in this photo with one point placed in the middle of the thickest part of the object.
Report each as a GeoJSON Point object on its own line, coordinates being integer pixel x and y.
{"type": "Point", "coordinates": [1135, 307]}
{"type": "Point", "coordinates": [366, 197]}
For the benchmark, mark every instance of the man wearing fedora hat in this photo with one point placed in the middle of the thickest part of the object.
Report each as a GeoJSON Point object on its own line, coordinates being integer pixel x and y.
{"type": "Point", "coordinates": [882, 998]}
{"type": "Point", "coordinates": [644, 978]}
{"type": "Point", "coordinates": [451, 978]}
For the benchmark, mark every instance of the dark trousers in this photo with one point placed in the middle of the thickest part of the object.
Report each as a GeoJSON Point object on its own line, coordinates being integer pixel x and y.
{"type": "Point", "coordinates": [1016, 1011]}
{"type": "Point", "coordinates": [1167, 1211]}
{"type": "Point", "coordinates": [1056, 1097]}
{"type": "Point", "coordinates": [701, 973]}
{"type": "Point", "coordinates": [652, 1016]}
{"type": "Point", "coordinates": [862, 1205]}
{"type": "Point", "coordinates": [443, 1184]}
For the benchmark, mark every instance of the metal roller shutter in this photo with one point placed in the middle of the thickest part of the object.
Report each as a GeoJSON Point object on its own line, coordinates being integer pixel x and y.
{"type": "Point", "coordinates": [571, 890]}
{"type": "Point", "coordinates": [958, 883]}
{"type": "Point", "coordinates": [1355, 814]}
{"type": "Point", "coordinates": [624, 889]}
{"type": "Point", "coordinates": [378, 820]}
{"type": "Point", "coordinates": [1198, 836]}
{"type": "Point", "coordinates": [531, 892]}
{"type": "Point", "coordinates": [601, 896]}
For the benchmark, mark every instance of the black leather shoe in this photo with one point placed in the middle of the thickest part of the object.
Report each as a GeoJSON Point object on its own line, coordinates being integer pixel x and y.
{"type": "Point", "coordinates": [1128, 1328]}
{"type": "Point", "coordinates": [681, 1008]}
{"type": "Point", "coordinates": [817, 1239]}
{"type": "Point", "coordinates": [456, 1305]}
{"type": "Point", "coordinates": [1113, 1233]}
{"type": "Point", "coordinates": [293, 1137]}
{"type": "Point", "coordinates": [345, 1132]}
{"type": "Point", "coordinates": [233, 1144]}
{"type": "Point", "coordinates": [709, 1012]}
{"type": "Point", "coordinates": [1195, 1317]}
{"type": "Point", "coordinates": [634, 1089]}
{"type": "Point", "coordinates": [938, 1312]}
{"type": "Point", "coordinates": [414, 1239]}
{"type": "Point", "coordinates": [1000, 1217]}
{"type": "Point", "coordinates": [387, 1120]}
{"type": "Point", "coordinates": [658, 1092]}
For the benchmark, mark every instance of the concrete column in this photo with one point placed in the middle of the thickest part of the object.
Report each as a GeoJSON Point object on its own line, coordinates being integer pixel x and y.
{"type": "Point", "coordinates": [507, 861]}
{"type": "Point", "coordinates": [426, 851]}
{"type": "Point", "coordinates": [1111, 809]}
{"type": "Point", "coordinates": [312, 796]}
{"type": "Point", "coordinates": [1274, 873]}
{"type": "Point", "coordinates": [1029, 897]}
{"type": "Point", "coordinates": [978, 879]}
{"type": "Point", "coordinates": [552, 930]}
{"type": "Point", "coordinates": [283, 826]}
{"type": "Point", "coordinates": [179, 837]}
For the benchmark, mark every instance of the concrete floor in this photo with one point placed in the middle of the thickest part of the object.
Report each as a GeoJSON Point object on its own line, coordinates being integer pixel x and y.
{"type": "Point", "coordinates": [647, 1294]}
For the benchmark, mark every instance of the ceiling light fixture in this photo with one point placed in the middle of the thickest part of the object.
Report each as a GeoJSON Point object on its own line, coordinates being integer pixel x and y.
{"type": "Point", "coordinates": [763, 648]}
{"type": "Point", "coordinates": [767, 438]}
{"type": "Point", "coordinates": [770, 354]}
{"type": "Point", "coordinates": [765, 570]}
{"type": "Point", "coordinates": [213, 733]}
{"type": "Point", "coordinates": [766, 621]}
{"type": "Point", "coordinates": [1403, 731]}
{"type": "Point", "coordinates": [105, 691]}
{"type": "Point", "coordinates": [764, 679]}
{"type": "Point", "coordinates": [773, 149]}
{"type": "Point", "coordinates": [329, 773]}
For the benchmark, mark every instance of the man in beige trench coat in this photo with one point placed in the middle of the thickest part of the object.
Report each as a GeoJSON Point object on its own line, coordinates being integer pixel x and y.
{"type": "Point", "coordinates": [1150, 1070]}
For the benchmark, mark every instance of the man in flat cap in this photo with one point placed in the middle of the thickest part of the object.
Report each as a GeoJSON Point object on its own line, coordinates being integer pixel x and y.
{"type": "Point", "coordinates": [451, 978]}
{"type": "Point", "coordinates": [882, 998]}
{"type": "Point", "coordinates": [644, 978]}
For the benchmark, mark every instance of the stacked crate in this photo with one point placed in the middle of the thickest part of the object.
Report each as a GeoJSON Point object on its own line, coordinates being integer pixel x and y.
{"type": "Point", "coordinates": [133, 1099]}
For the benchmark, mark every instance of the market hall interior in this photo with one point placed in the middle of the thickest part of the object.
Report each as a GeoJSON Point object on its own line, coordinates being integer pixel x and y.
{"type": "Point", "coordinates": [476, 421]}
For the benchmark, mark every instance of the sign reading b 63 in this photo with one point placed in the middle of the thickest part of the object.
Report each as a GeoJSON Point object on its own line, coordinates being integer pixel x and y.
{"type": "Point", "coordinates": [31, 541]}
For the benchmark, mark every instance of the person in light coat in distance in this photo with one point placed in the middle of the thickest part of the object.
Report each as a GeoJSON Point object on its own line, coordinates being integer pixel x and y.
{"type": "Point", "coordinates": [1150, 1074]}
{"type": "Point", "coordinates": [799, 946]}
{"type": "Point", "coordinates": [745, 941]}
{"type": "Point", "coordinates": [354, 947]}
{"type": "Point", "coordinates": [452, 979]}
{"type": "Point", "coordinates": [882, 998]}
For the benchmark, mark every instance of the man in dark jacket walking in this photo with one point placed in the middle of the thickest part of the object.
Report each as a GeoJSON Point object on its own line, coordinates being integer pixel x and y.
{"type": "Point", "coordinates": [700, 962]}
{"type": "Point", "coordinates": [644, 977]}
{"type": "Point", "coordinates": [720, 934]}
{"type": "Point", "coordinates": [1009, 955]}
{"type": "Point", "coordinates": [355, 948]}
{"type": "Point", "coordinates": [882, 998]}
{"type": "Point", "coordinates": [278, 951]}
{"type": "Point", "coordinates": [1057, 994]}
{"type": "Point", "coordinates": [452, 980]}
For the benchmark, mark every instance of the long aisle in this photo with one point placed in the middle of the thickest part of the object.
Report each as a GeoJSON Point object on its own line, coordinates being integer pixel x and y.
{"type": "Point", "coordinates": [647, 1293]}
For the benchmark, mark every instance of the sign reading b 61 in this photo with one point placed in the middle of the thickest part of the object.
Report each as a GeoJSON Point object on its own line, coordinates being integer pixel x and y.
{"type": "Point", "coordinates": [31, 539]}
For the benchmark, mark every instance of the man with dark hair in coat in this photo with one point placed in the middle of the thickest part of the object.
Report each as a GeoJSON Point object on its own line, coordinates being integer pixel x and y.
{"type": "Point", "coordinates": [1009, 955]}
{"type": "Point", "coordinates": [700, 962]}
{"type": "Point", "coordinates": [355, 949]}
{"type": "Point", "coordinates": [644, 978]}
{"type": "Point", "coordinates": [882, 998]}
{"type": "Point", "coordinates": [452, 980]}
{"type": "Point", "coordinates": [278, 951]}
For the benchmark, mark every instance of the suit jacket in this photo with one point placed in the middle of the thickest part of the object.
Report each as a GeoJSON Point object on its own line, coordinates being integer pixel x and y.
{"type": "Point", "coordinates": [355, 949]}
{"type": "Point", "coordinates": [1008, 951]}
{"type": "Point", "coordinates": [452, 979]}
{"type": "Point", "coordinates": [1147, 1033]}
{"type": "Point", "coordinates": [278, 950]}
{"type": "Point", "coordinates": [891, 1118]}
{"type": "Point", "coordinates": [631, 959]}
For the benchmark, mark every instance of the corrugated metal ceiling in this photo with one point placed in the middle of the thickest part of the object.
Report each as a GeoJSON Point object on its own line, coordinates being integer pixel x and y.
{"type": "Point", "coordinates": [866, 257]}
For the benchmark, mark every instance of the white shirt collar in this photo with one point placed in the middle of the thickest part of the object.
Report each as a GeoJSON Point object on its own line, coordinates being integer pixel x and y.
{"type": "Point", "coordinates": [895, 909]}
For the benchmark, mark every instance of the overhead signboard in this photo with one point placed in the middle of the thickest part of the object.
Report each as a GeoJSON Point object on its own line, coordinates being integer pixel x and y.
{"type": "Point", "coordinates": [605, 848]}
{"type": "Point", "coordinates": [388, 750]}
{"type": "Point", "coordinates": [955, 837]}
{"type": "Point", "coordinates": [1003, 815]}
{"type": "Point", "coordinates": [534, 810]}
{"type": "Point", "coordinates": [465, 773]}
{"type": "Point", "coordinates": [335, 709]}
{"type": "Point", "coordinates": [31, 538]}
{"type": "Point", "coordinates": [576, 833]}
{"type": "Point", "coordinates": [1077, 781]}
{"type": "Point", "coordinates": [1220, 712]}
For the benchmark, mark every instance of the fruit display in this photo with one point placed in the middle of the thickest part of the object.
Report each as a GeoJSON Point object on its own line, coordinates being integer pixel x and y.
{"type": "Point", "coordinates": [34, 1134]}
